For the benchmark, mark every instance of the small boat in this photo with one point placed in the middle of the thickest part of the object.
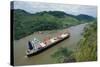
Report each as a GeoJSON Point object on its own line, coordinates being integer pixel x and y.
{"type": "Point", "coordinates": [35, 47]}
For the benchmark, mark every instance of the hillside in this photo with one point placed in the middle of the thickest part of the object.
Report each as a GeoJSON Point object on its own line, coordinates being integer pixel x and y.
{"type": "Point", "coordinates": [26, 23]}
{"type": "Point", "coordinates": [83, 18]}
{"type": "Point", "coordinates": [87, 47]}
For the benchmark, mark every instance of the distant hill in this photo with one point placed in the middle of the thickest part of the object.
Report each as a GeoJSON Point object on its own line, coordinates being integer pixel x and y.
{"type": "Point", "coordinates": [83, 17]}
{"type": "Point", "coordinates": [26, 23]}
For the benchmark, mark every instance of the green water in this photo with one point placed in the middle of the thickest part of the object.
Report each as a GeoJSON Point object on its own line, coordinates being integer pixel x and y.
{"type": "Point", "coordinates": [20, 46]}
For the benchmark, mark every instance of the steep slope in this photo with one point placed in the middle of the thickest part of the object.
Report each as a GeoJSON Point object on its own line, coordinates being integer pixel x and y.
{"type": "Point", "coordinates": [87, 47]}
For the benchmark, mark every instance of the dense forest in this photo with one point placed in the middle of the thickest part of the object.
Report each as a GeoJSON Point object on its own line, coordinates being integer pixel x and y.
{"type": "Point", "coordinates": [25, 23]}
{"type": "Point", "coordinates": [86, 48]}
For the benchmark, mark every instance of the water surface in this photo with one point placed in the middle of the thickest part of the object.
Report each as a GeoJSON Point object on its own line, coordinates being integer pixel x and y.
{"type": "Point", "coordinates": [20, 46]}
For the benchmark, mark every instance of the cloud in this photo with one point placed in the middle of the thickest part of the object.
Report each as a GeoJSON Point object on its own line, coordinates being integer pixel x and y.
{"type": "Point", "coordinates": [34, 7]}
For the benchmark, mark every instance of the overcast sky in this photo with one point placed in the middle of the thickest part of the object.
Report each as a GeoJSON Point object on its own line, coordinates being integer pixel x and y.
{"type": "Point", "coordinates": [34, 7]}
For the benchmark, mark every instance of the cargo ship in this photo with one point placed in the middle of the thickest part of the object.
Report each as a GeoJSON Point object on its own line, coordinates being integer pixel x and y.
{"type": "Point", "coordinates": [35, 47]}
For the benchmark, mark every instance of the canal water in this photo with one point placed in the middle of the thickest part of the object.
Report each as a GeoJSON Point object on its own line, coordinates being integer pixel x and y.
{"type": "Point", "coordinates": [20, 46]}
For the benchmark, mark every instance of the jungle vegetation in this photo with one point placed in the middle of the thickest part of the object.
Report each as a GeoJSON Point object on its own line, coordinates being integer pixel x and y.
{"type": "Point", "coordinates": [25, 23]}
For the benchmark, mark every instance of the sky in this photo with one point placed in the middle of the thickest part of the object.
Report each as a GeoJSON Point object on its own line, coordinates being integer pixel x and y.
{"type": "Point", "coordinates": [73, 9]}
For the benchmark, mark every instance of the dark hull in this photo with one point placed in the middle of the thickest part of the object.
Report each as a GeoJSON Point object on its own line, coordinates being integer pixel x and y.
{"type": "Point", "coordinates": [47, 47]}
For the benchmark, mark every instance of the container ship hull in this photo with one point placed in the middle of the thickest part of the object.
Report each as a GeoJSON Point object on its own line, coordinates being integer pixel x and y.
{"type": "Point", "coordinates": [47, 47]}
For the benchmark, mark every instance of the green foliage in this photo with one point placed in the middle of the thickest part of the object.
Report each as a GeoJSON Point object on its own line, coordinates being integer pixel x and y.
{"type": "Point", "coordinates": [61, 54]}
{"type": "Point", "coordinates": [26, 23]}
{"type": "Point", "coordinates": [87, 50]}
{"type": "Point", "coordinates": [85, 18]}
